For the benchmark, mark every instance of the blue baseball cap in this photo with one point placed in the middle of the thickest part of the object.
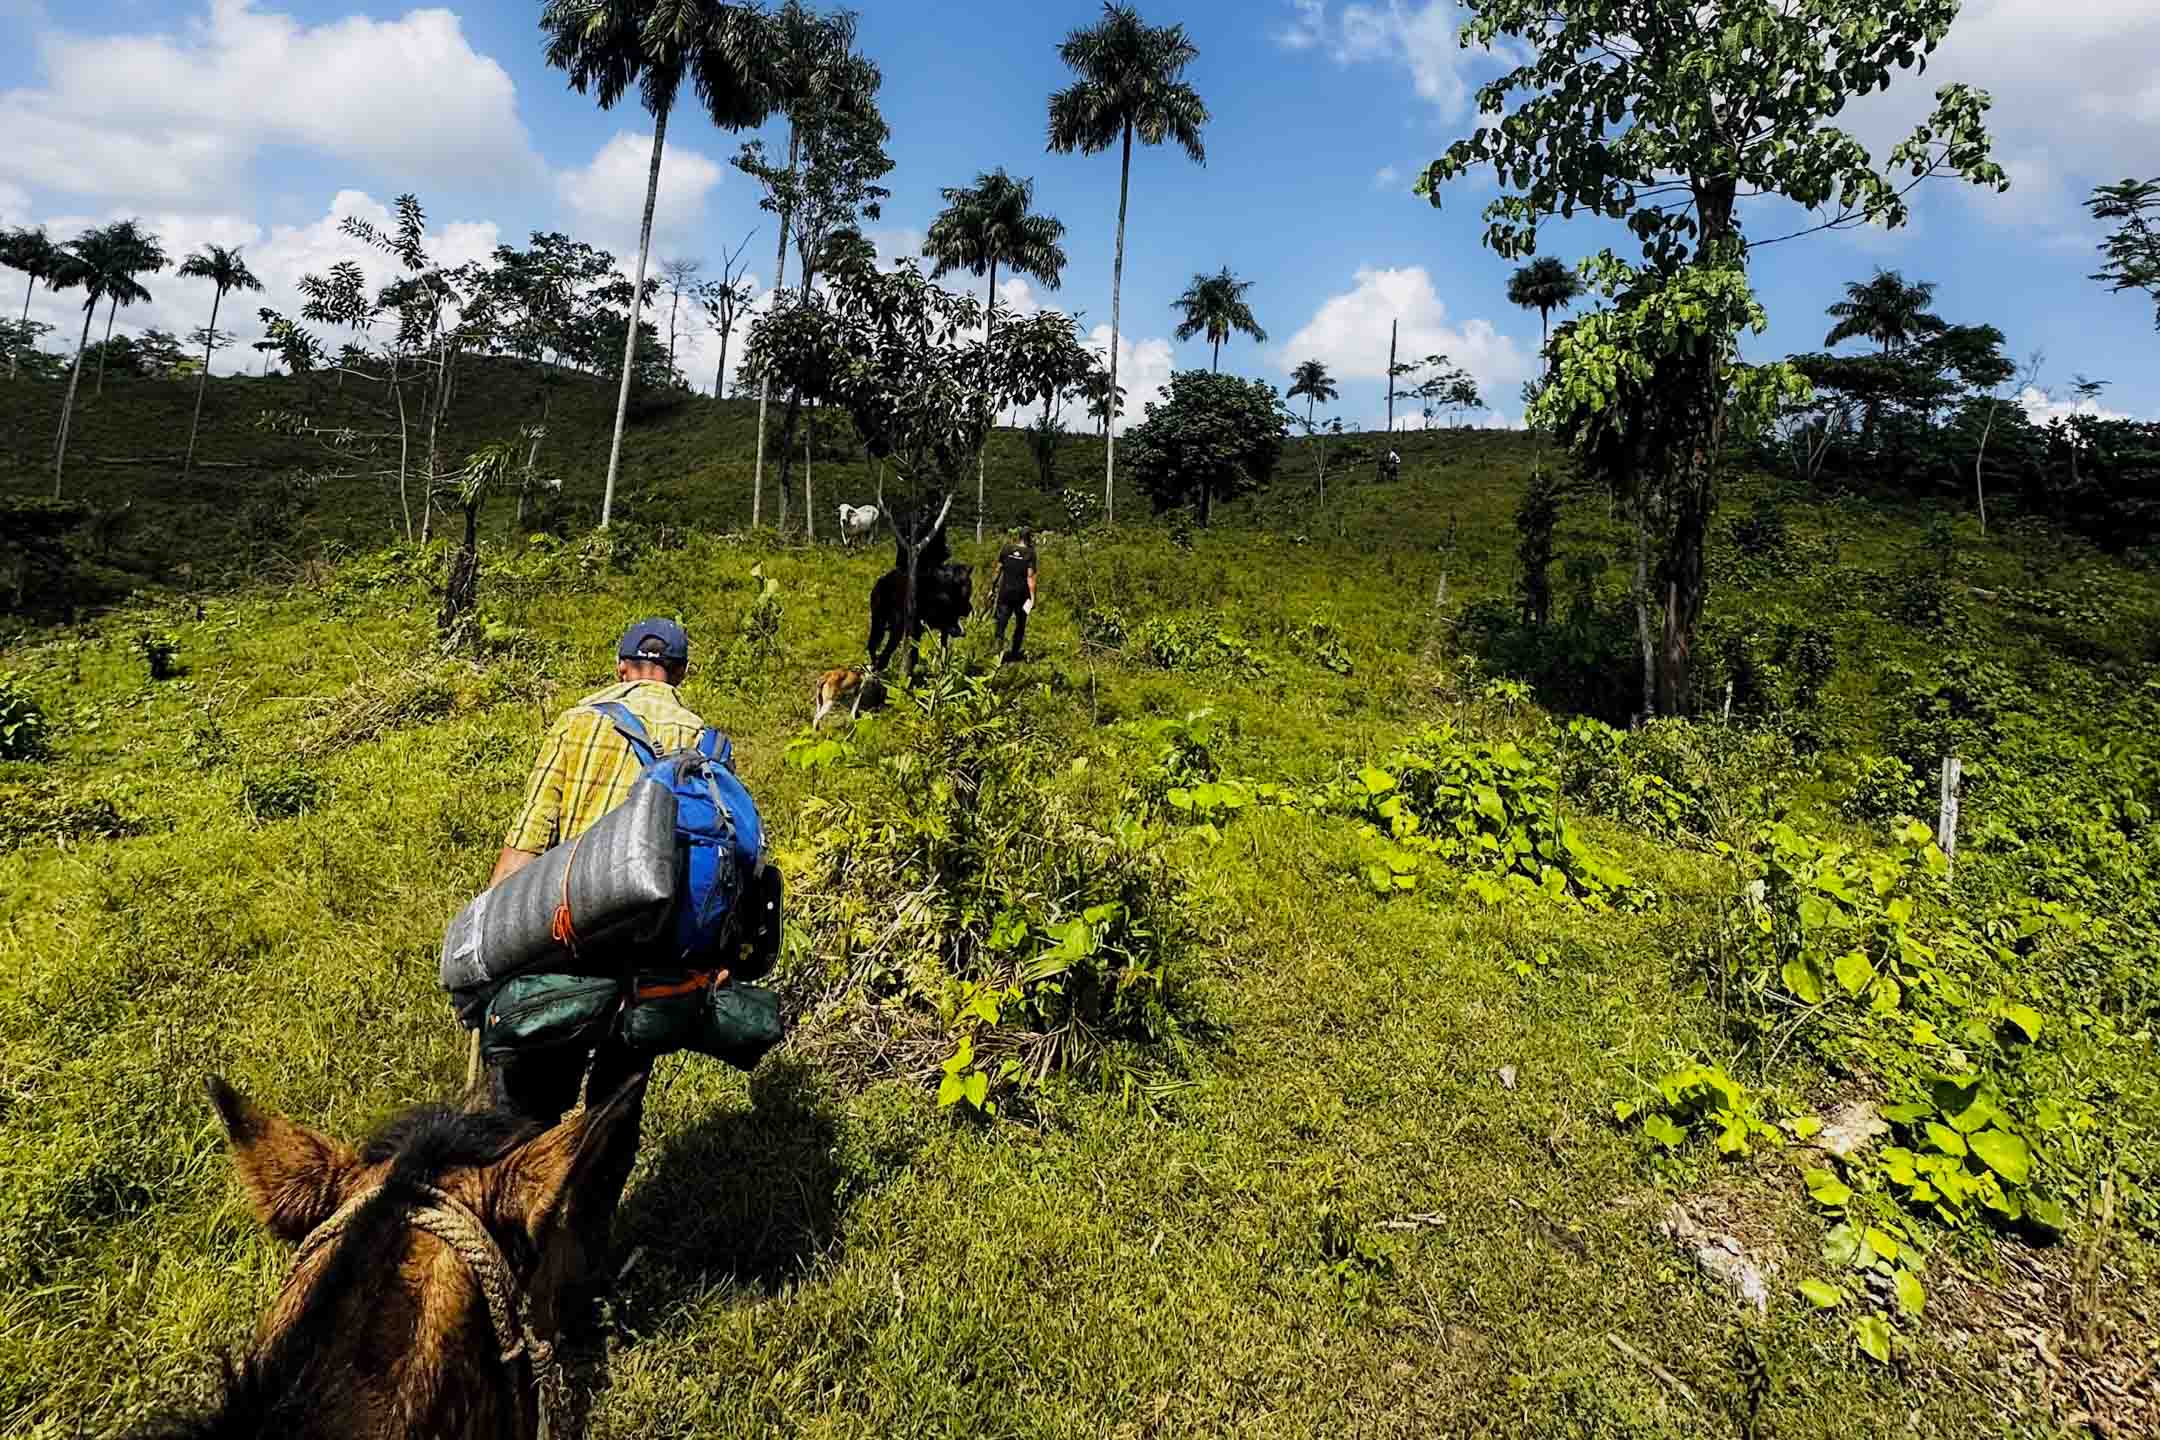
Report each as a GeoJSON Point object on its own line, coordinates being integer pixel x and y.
{"type": "Point", "coordinates": [655, 639]}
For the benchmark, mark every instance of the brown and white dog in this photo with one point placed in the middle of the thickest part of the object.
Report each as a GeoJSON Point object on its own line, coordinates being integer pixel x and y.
{"type": "Point", "coordinates": [833, 687]}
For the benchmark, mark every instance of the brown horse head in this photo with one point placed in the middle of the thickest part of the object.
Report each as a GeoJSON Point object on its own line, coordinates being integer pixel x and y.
{"type": "Point", "coordinates": [416, 1250]}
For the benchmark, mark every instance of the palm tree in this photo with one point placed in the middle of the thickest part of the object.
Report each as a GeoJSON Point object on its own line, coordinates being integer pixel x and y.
{"type": "Point", "coordinates": [812, 67]}
{"type": "Point", "coordinates": [100, 262]}
{"type": "Point", "coordinates": [225, 269]}
{"type": "Point", "coordinates": [1544, 285]}
{"type": "Point", "coordinates": [1312, 381]}
{"type": "Point", "coordinates": [33, 253]}
{"type": "Point", "coordinates": [606, 46]}
{"type": "Point", "coordinates": [1128, 86]}
{"type": "Point", "coordinates": [990, 224]}
{"type": "Point", "coordinates": [1884, 309]}
{"type": "Point", "coordinates": [139, 253]}
{"type": "Point", "coordinates": [1215, 305]}
{"type": "Point", "coordinates": [1098, 389]}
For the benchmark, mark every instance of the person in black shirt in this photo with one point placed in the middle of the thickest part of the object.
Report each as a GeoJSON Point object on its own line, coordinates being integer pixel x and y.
{"type": "Point", "coordinates": [1016, 590]}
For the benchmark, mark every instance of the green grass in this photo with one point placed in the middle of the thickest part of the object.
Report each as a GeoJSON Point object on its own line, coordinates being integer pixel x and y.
{"type": "Point", "coordinates": [1332, 1217]}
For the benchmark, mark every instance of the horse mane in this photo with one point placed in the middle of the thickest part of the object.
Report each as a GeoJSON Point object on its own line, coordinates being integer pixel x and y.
{"type": "Point", "coordinates": [280, 1392]}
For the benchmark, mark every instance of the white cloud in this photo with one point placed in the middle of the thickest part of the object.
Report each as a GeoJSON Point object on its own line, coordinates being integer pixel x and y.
{"type": "Point", "coordinates": [607, 195]}
{"type": "Point", "coordinates": [1143, 373]}
{"type": "Point", "coordinates": [1349, 333]}
{"type": "Point", "coordinates": [2076, 98]}
{"type": "Point", "coordinates": [175, 118]}
{"type": "Point", "coordinates": [1308, 30]}
{"type": "Point", "coordinates": [14, 202]}
{"type": "Point", "coordinates": [279, 257]}
{"type": "Point", "coordinates": [2041, 407]}
{"type": "Point", "coordinates": [1422, 39]}
{"type": "Point", "coordinates": [1385, 176]}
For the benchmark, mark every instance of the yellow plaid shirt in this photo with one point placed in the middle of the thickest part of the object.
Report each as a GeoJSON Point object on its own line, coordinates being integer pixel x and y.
{"type": "Point", "coordinates": [585, 767]}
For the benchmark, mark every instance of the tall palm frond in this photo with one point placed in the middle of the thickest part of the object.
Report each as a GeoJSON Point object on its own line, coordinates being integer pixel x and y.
{"type": "Point", "coordinates": [225, 269]}
{"type": "Point", "coordinates": [993, 223]}
{"type": "Point", "coordinates": [1885, 309]}
{"type": "Point", "coordinates": [1214, 305]}
{"type": "Point", "coordinates": [1544, 285]}
{"type": "Point", "coordinates": [32, 252]}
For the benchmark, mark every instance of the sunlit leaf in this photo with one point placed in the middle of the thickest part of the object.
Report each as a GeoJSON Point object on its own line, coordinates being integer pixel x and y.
{"type": "Point", "coordinates": [1821, 1293]}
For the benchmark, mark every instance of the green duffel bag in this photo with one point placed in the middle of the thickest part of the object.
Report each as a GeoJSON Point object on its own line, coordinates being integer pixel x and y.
{"type": "Point", "coordinates": [735, 1022]}
{"type": "Point", "coordinates": [529, 1013]}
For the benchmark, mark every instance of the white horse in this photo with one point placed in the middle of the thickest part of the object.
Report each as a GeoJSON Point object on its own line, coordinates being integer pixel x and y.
{"type": "Point", "coordinates": [857, 522]}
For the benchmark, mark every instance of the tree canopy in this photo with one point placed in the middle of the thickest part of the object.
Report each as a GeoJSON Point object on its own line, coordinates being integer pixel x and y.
{"type": "Point", "coordinates": [1210, 437]}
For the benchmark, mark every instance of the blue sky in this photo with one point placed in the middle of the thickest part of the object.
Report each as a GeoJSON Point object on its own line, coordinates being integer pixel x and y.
{"type": "Point", "coordinates": [259, 121]}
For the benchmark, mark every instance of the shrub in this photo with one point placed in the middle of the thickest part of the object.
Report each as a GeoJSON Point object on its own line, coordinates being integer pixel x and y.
{"type": "Point", "coordinates": [1489, 807]}
{"type": "Point", "coordinates": [1196, 643]}
{"type": "Point", "coordinates": [24, 733]}
{"type": "Point", "coordinates": [959, 898]}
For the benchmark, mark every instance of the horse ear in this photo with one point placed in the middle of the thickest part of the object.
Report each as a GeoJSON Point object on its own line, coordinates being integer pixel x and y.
{"type": "Point", "coordinates": [548, 1174]}
{"type": "Point", "coordinates": [295, 1178]}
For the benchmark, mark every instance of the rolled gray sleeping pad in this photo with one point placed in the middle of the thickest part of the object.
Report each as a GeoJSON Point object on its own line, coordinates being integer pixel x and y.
{"type": "Point", "coordinates": [623, 877]}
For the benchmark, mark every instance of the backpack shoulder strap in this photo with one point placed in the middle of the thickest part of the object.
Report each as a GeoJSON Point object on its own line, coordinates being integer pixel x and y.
{"type": "Point", "coordinates": [627, 725]}
{"type": "Point", "coordinates": [715, 746]}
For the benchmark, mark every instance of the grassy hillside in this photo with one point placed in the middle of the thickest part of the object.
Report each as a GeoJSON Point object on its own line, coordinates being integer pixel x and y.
{"type": "Point", "coordinates": [1355, 1165]}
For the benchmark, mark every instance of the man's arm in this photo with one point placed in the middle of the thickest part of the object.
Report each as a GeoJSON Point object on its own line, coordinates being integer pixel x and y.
{"type": "Point", "coordinates": [510, 862]}
{"type": "Point", "coordinates": [534, 828]}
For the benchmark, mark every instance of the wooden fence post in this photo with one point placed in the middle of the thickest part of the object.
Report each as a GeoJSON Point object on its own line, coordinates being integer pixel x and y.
{"type": "Point", "coordinates": [1946, 815]}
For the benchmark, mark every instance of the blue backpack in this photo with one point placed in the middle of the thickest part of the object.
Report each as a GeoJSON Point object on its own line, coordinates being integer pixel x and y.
{"type": "Point", "coordinates": [716, 828]}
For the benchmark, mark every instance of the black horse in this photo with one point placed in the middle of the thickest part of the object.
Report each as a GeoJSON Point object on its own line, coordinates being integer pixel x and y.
{"type": "Point", "coordinates": [943, 602]}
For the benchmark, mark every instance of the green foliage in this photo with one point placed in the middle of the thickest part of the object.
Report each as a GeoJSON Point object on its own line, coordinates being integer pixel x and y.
{"type": "Point", "coordinates": [1699, 1098]}
{"type": "Point", "coordinates": [1209, 438]}
{"type": "Point", "coordinates": [2132, 249]}
{"type": "Point", "coordinates": [24, 732]}
{"type": "Point", "coordinates": [1492, 809]}
{"type": "Point", "coordinates": [757, 630]}
{"type": "Point", "coordinates": [967, 893]}
{"type": "Point", "coordinates": [1688, 82]}
{"type": "Point", "coordinates": [1197, 643]}
{"type": "Point", "coordinates": [1320, 640]}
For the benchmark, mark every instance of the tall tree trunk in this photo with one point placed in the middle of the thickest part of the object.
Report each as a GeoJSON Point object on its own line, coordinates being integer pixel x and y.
{"type": "Point", "coordinates": [15, 355]}
{"type": "Point", "coordinates": [1391, 380]}
{"type": "Point", "coordinates": [764, 394]}
{"type": "Point", "coordinates": [989, 320]}
{"type": "Point", "coordinates": [1641, 590]}
{"type": "Point", "coordinates": [1686, 584]}
{"type": "Point", "coordinates": [630, 331]}
{"type": "Point", "coordinates": [112, 313]}
{"type": "Point", "coordinates": [787, 453]}
{"type": "Point", "coordinates": [1215, 365]}
{"type": "Point", "coordinates": [437, 402]}
{"type": "Point", "coordinates": [674, 308]}
{"type": "Point", "coordinates": [809, 492]}
{"type": "Point", "coordinates": [203, 380]}
{"type": "Point", "coordinates": [67, 406]}
{"type": "Point", "coordinates": [404, 448]}
{"type": "Point", "coordinates": [1117, 289]}
{"type": "Point", "coordinates": [719, 383]}
{"type": "Point", "coordinates": [1979, 460]}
